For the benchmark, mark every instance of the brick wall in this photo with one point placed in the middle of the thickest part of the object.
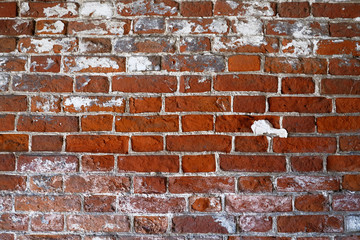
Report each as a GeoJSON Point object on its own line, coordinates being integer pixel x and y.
{"type": "Point", "coordinates": [177, 119]}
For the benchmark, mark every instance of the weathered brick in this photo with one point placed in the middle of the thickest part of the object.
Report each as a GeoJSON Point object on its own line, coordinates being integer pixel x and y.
{"type": "Point", "coordinates": [35, 123]}
{"type": "Point", "coordinates": [154, 185]}
{"type": "Point", "coordinates": [46, 103]}
{"type": "Point", "coordinates": [203, 224]}
{"type": "Point", "coordinates": [195, 44]}
{"type": "Point", "coordinates": [144, 83]}
{"type": "Point", "coordinates": [12, 182]}
{"type": "Point", "coordinates": [150, 224]}
{"type": "Point", "coordinates": [144, 7]}
{"type": "Point", "coordinates": [14, 142]}
{"type": "Point", "coordinates": [49, 10]}
{"type": "Point", "coordinates": [255, 184]}
{"type": "Point", "coordinates": [144, 45]}
{"type": "Point", "coordinates": [307, 183]}
{"type": "Point", "coordinates": [349, 143]}
{"type": "Point", "coordinates": [310, 223]}
{"type": "Point", "coordinates": [205, 204]}
{"type": "Point", "coordinates": [47, 203]}
{"type": "Point", "coordinates": [304, 144]}
{"type": "Point", "coordinates": [297, 85]}
{"type": "Point", "coordinates": [158, 123]}
{"type": "Point", "coordinates": [93, 104]}
{"type": "Point", "coordinates": [97, 163]}
{"type": "Point", "coordinates": [147, 143]}
{"type": "Point", "coordinates": [12, 64]}
{"type": "Point", "coordinates": [47, 45]}
{"type": "Point", "coordinates": [243, 163]}
{"type": "Point", "coordinates": [306, 163]}
{"type": "Point", "coordinates": [95, 45]}
{"type": "Point", "coordinates": [295, 65]}
{"type": "Point", "coordinates": [7, 45]}
{"type": "Point", "coordinates": [246, 43]}
{"type": "Point", "coordinates": [137, 204]}
{"type": "Point", "coordinates": [255, 203]}
{"type": "Point", "coordinates": [194, 83]}
{"type": "Point", "coordinates": [45, 64]}
{"type": "Point", "coordinates": [45, 164]}
{"type": "Point", "coordinates": [344, 163]}
{"type": "Point", "coordinates": [50, 27]}
{"type": "Point", "coordinates": [196, 9]}
{"type": "Point", "coordinates": [201, 184]}
{"type": "Point", "coordinates": [96, 223]}
{"type": "Point", "coordinates": [149, 25]}
{"type": "Point", "coordinates": [336, 10]}
{"type": "Point", "coordinates": [294, 9]}
{"type": "Point", "coordinates": [7, 122]}
{"type": "Point", "coordinates": [198, 26]}
{"type": "Point", "coordinates": [92, 84]}
{"type": "Point", "coordinates": [14, 222]}
{"type": "Point", "coordinates": [241, 123]}
{"type": "Point", "coordinates": [297, 29]}
{"type": "Point", "coordinates": [351, 182]}
{"type": "Point", "coordinates": [96, 184]}
{"type": "Point", "coordinates": [193, 63]}
{"type": "Point", "coordinates": [199, 143]}
{"type": "Point", "coordinates": [46, 184]}
{"type": "Point", "coordinates": [100, 204]}
{"type": "Point", "coordinates": [7, 162]}
{"type": "Point", "coordinates": [97, 143]}
{"type": "Point", "coordinates": [248, 223]}
{"type": "Point", "coordinates": [95, 27]}
{"type": "Point", "coordinates": [346, 202]}
{"type": "Point", "coordinates": [16, 27]}
{"type": "Point", "coordinates": [47, 222]}
{"type": "Point", "coordinates": [312, 203]}
{"type": "Point", "coordinates": [336, 124]}
{"type": "Point", "coordinates": [345, 29]}
{"type": "Point", "coordinates": [42, 83]}
{"type": "Point", "coordinates": [235, 8]}
{"type": "Point", "coordinates": [94, 64]}
{"type": "Point", "coordinates": [245, 82]}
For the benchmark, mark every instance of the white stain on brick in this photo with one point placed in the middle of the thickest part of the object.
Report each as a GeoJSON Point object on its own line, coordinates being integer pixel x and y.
{"type": "Point", "coordinates": [250, 26]}
{"type": "Point", "coordinates": [56, 27]}
{"type": "Point", "coordinates": [58, 11]}
{"type": "Point", "coordinates": [4, 81]}
{"type": "Point", "coordinates": [298, 47]}
{"type": "Point", "coordinates": [141, 7]}
{"type": "Point", "coordinates": [49, 164]}
{"type": "Point", "coordinates": [235, 42]}
{"type": "Point", "coordinates": [182, 26]}
{"type": "Point", "coordinates": [226, 222]}
{"type": "Point", "coordinates": [232, 4]}
{"type": "Point", "coordinates": [46, 45]}
{"type": "Point", "coordinates": [218, 26]}
{"type": "Point", "coordinates": [262, 127]}
{"type": "Point", "coordinates": [92, 62]}
{"type": "Point", "coordinates": [258, 8]}
{"type": "Point", "coordinates": [79, 102]}
{"type": "Point", "coordinates": [352, 223]}
{"type": "Point", "coordinates": [24, 8]}
{"type": "Point", "coordinates": [136, 64]}
{"type": "Point", "coordinates": [48, 104]}
{"type": "Point", "coordinates": [96, 9]}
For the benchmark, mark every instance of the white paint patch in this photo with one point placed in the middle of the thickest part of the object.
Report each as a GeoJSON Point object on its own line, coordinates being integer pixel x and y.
{"type": "Point", "coordinates": [96, 10]}
{"type": "Point", "coordinates": [56, 27]}
{"type": "Point", "coordinates": [46, 45]}
{"type": "Point", "coordinates": [258, 8]}
{"type": "Point", "coordinates": [136, 64]}
{"type": "Point", "coordinates": [79, 102]}
{"type": "Point", "coordinates": [18, 23]}
{"type": "Point", "coordinates": [226, 222]}
{"type": "Point", "coordinates": [218, 26]}
{"type": "Point", "coordinates": [299, 47]}
{"type": "Point", "coordinates": [4, 82]}
{"type": "Point", "coordinates": [261, 127]}
{"type": "Point", "coordinates": [24, 8]}
{"type": "Point", "coordinates": [232, 43]}
{"type": "Point", "coordinates": [91, 62]}
{"type": "Point", "coordinates": [48, 105]}
{"type": "Point", "coordinates": [49, 164]}
{"type": "Point", "coordinates": [114, 102]}
{"type": "Point", "coordinates": [58, 11]}
{"type": "Point", "coordinates": [182, 26]}
{"type": "Point", "coordinates": [232, 4]}
{"type": "Point", "coordinates": [352, 223]}
{"type": "Point", "coordinates": [142, 7]}
{"type": "Point", "coordinates": [357, 46]}
{"type": "Point", "coordinates": [249, 27]}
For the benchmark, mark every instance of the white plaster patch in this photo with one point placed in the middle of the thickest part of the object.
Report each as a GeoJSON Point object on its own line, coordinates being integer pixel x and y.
{"type": "Point", "coordinates": [226, 222]}
{"type": "Point", "coordinates": [299, 47]}
{"type": "Point", "coordinates": [58, 11]}
{"type": "Point", "coordinates": [135, 64]}
{"type": "Point", "coordinates": [218, 26]}
{"type": "Point", "coordinates": [352, 223]}
{"type": "Point", "coordinates": [46, 45]}
{"type": "Point", "coordinates": [24, 8]}
{"type": "Point", "coordinates": [232, 4]}
{"type": "Point", "coordinates": [249, 27]}
{"type": "Point", "coordinates": [92, 62]}
{"type": "Point", "coordinates": [261, 127]}
{"type": "Point", "coordinates": [96, 9]}
{"type": "Point", "coordinates": [79, 102]}
{"type": "Point", "coordinates": [56, 27]}
{"type": "Point", "coordinates": [4, 81]}
{"type": "Point", "coordinates": [256, 8]}
{"type": "Point", "coordinates": [141, 7]}
{"type": "Point", "coordinates": [182, 26]}
{"type": "Point", "coordinates": [47, 105]}
{"type": "Point", "coordinates": [235, 42]}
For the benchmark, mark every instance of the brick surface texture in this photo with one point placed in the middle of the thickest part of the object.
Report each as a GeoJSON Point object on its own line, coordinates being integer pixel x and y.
{"type": "Point", "coordinates": [144, 119]}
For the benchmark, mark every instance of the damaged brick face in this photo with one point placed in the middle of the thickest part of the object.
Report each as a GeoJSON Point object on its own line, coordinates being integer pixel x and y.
{"type": "Point", "coordinates": [180, 119]}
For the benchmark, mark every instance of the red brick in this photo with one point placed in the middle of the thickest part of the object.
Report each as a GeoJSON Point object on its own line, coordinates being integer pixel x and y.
{"type": "Point", "coordinates": [148, 44]}
{"type": "Point", "coordinates": [338, 124]}
{"type": "Point", "coordinates": [344, 66]}
{"type": "Point", "coordinates": [23, 27]}
{"type": "Point", "coordinates": [147, 143]}
{"type": "Point", "coordinates": [50, 237]}
{"type": "Point", "coordinates": [304, 144]}
{"type": "Point", "coordinates": [346, 202]}
{"type": "Point", "coordinates": [42, 83]}
{"type": "Point", "coordinates": [307, 163]}
{"type": "Point", "coordinates": [260, 83]}
{"type": "Point", "coordinates": [56, 45]}
{"type": "Point", "coordinates": [201, 184]}
{"type": "Point", "coordinates": [255, 184]}
{"type": "Point", "coordinates": [307, 183]}
{"type": "Point", "coordinates": [300, 104]}
{"type": "Point", "coordinates": [34, 123]}
{"type": "Point", "coordinates": [143, 83]}
{"type": "Point", "coordinates": [241, 123]}
{"type": "Point", "coordinates": [198, 104]}
{"type": "Point", "coordinates": [47, 143]}
{"type": "Point", "coordinates": [312, 203]}
{"type": "Point", "coordinates": [192, 123]}
{"type": "Point", "coordinates": [13, 103]}
{"type": "Point", "coordinates": [46, 103]}
{"type": "Point", "coordinates": [294, 9]}
{"type": "Point", "coordinates": [348, 105]}
{"type": "Point", "coordinates": [295, 65]}
{"type": "Point", "coordinates": [12, 64]}
{"type": "Point", "coordinates": [198, 143]}
{"type": "Point", "coordinates": [96, 123]}
{"type": "Point", "coordinates": [14, 142]}
{"type": "Point", "coordinates": [255, 203]}
{"type": "Point", "coordinates": [45, 164]}
{"type": "Point", "coordinates": [260, 238]}
{"type": "Point", "coordinates": [198, 163]}
{"type": "Point", "coordinates": [7, 122]}
{"type": "Point", "coordinates": [145, 104]}
{"type": "Point", "coordinates": [97, 223]}
{"type": "Point", "coordinates": [46, 184]}
{"type": "Point", "coordinates": [155, 185]}
{"type": "Point", "coordinates": [203, 224]}
{"type": "Point", "coordinates": [47, 203]}
{"type": "Point", "coordinates": [94, 27]}
{"type": "Point", "coordinates": [100, 64]}
{"type": "Point", "coordinates": [93, 104]}
{"type": "Point", "coordinates": [250, 163]}
{"type": "Point", "coordinates": [14, 222]}
{"type": "Point", "coordinates": [152, 8]}
{"type": "Point", "coordinates": [196, 9]}
{"type": "Point", "coordinates": [343, 163]}
{"type": "Point", "coordinates": [292, 28]}
{"type": "Point", "coordinates": [349, 143]}
{"type": "Point", "coordinates": [155, 163]}
{"type": "Point", "coordinates": [253, 104]}
{"type": "Point", "coordinates": [336, 10]}
{"type": "Point", "coordinates": [50, 27]}
{"type": "Point", "coordinates": [95, 45]}
{"type": "Point", "coordinates": [299, 124]}
{"type": "Point", "coordinates": [7, 162]}
{"type": "Point", "coordinates": [8, 9]}
{"type": "Point", "coordinates": [244, 63]}
{"type": "Point", "coordinates": [205, 204]}
{"type": "Point", "coordinates": [150, 225]}
{"type": "Point", "coordinates": [92, 84]}
{"type": "Point", "coordinates": [47, 222]}
{"type": "Point", "coordinates": [310, 223]}
{"type": "Point", "coordinates": [158, 123]}
{"type": "Point", "coordinates": [45, 64]}
{"type": "Point", "coordinates": [351, 182]}
{"type": "Point", "coordinates": [7, 45]}
{"type": "Point", "coordinates": [249, 223]}
{"type": "Point", "coordinates": [336, 47]}
{"type": "Point", "coordinates": [100, 204]}
{"type": "Point", "coordinates": [12, 183]}
{"type": "Point", "coordinates": [345, 29]}
{"type": "Point", "coordinates": [189, 84]}
{"type": "Point", "coordinates": [95, 163]}
{"type": "Point", "coordinates": [137, 204]}
{"type": "Point", "coordinates": [297, 85]}
{"type": "Point", "coordinates": [193, 63]}
{"type": "Point", "coordinates": [195, 44]}
{"type": "Point", "coordinates": [149, 25]}
{"type": "Point", "coordinates": [7, 236]}
{"type": "Point", "coordinates": [97, 143]}
{"type": "Point", "coordinates": [234, 8]}
{"type": "Point", "coordinates": [96, 184]}
{"type": "Point", "coordinates": [42, 10]}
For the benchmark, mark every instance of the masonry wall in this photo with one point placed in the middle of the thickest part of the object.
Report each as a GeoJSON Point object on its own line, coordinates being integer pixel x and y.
{"type": "Point", "coordinates": [176, 119]}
